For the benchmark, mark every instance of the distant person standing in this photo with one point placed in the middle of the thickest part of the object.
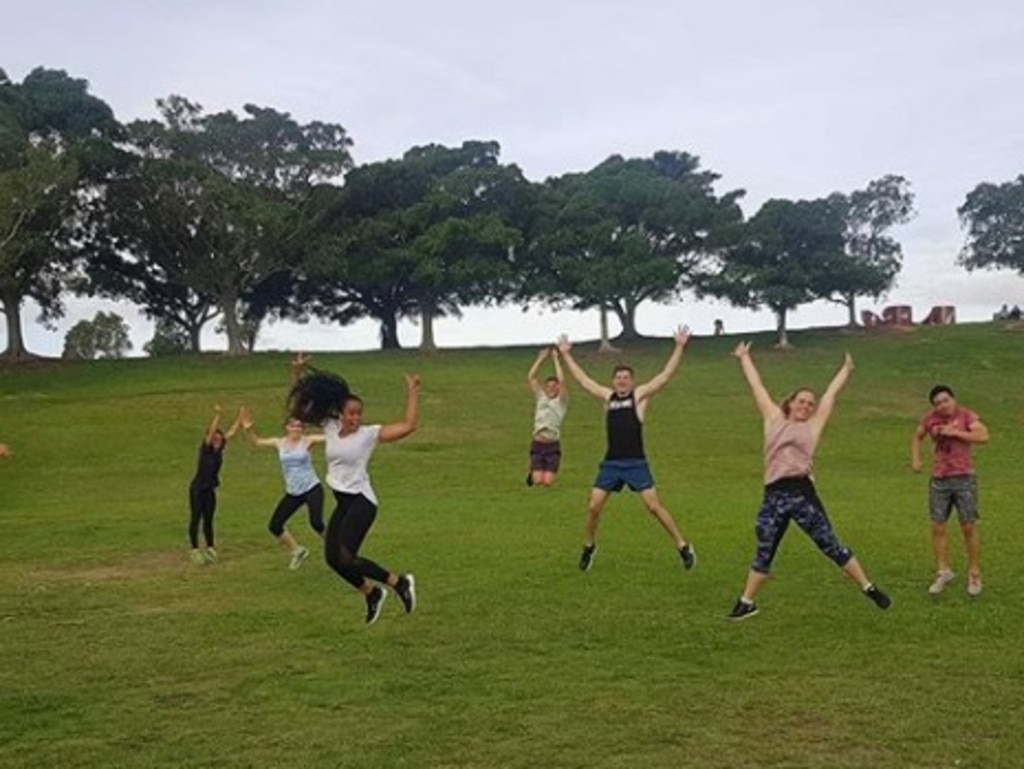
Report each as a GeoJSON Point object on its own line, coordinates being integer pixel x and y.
{"type": "Point", "coordinates": [202, 492]}
{"type": "Point", "coordinates": [791, 435]}
{"type": "Point", "coordinates": [625, 462]}
{"type": "Point", "coordinates": [302, 486]}
{"type": "Point", "coordinates": [552, 400]}
{"type": "Point", "coordinates": [953, 430]}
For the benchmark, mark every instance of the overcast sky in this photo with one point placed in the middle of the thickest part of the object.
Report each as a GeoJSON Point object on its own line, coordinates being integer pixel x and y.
{"type": "Point", "coordinates": [786, 98]}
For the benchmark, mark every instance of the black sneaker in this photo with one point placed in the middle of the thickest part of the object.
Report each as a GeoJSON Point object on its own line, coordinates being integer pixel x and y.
{"type": "Point", "coordinates": [529, 478]}
{"type": "Point", "coordinates": [742, 610]}
{"type": "Point", "coordinates": [374, 604]}
{"type": "Point", "coordinates": [882, 601]}
{"type": "Point", "coordinates": [689, 556]}
{"type": "Point", "coordinates": [406, 592]}
{"type": "Point", "coordinates": [587, 557]}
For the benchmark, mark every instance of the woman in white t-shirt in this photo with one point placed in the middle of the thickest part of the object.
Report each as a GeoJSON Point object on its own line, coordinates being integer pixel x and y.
{"type": "Point", "coordinates": [322, 398]}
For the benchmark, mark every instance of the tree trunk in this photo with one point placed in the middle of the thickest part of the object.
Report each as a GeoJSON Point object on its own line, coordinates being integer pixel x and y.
{"type": "Point", "coordinates": [606, 345]}
{"type": "Point", "coordinates": [780, 327]}
{"type": "Point", "coordinates": [15, 341]}
{"type": "Point", "coordinates": [194, 332]}
{"type": "Point", "coordinates": [627, 317]}
{"type": "Point", "coordinates": [427, 315]}
{"type": "Point", "coordinates": [233, 329]}
{"type": "Point", "coordinates": [389, 332]}
{"type": "Point", "coordinates": [851, 305]}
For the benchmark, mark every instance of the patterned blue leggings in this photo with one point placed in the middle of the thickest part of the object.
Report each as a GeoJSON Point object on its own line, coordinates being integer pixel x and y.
{"type": "Point", "coordinates": [795, 501]}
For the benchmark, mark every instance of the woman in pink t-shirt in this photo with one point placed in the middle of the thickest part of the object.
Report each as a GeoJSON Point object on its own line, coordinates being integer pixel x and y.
{"type": "Point", "coordinates": [791, 435]}
{"type": "Point", "coordinates": [954, 431]}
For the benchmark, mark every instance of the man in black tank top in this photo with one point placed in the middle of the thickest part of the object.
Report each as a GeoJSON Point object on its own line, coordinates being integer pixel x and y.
{"type": "Point", "coordinates": [625, 463]}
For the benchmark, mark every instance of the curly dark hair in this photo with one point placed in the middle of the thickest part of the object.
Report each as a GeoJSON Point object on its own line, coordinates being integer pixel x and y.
{"type": "Point", "coordinates": [316, 396]}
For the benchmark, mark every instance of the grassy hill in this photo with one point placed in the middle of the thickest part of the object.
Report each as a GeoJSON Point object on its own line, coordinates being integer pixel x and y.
{"type": "Point", "coordinates": [119, 652]}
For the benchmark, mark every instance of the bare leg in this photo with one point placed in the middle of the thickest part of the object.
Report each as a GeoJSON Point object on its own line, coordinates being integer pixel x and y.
{"type": "Point", "coordinates": [972, 538]}
{"type": "Point", "coordinates": [655, 508]}
{"type": "Point", "coordinates": [288, 541]}
{"type": "Point", "coordinates": [598, 498]}
{"type": "Point", "coordinates": [940, 546]}
{"type": "Point", "coordinates": [755, 581]}
{"type": "Point", "coordinates": [854, 570]}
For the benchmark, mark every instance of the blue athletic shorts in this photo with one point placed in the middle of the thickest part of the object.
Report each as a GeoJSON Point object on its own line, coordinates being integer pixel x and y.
{"type": "Point", "coordinates": [616, 473]}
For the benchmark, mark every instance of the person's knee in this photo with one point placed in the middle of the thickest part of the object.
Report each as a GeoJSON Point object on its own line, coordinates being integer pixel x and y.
{"type": "Point", "coordinates": [968, 528]}
{"type": "Point", "coordinates": [839, 554]}
{"type": "Point", "coordinates": [275, 528]}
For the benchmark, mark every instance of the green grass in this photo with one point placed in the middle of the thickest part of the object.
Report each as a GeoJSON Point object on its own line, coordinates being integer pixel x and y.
{"type": "Point", "coordinates": [118, 652]}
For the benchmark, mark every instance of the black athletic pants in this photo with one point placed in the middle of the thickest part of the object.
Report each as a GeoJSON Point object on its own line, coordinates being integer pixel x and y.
{"type": "Point", "coordinates": [312, 499]}
{"type": "Point", "coordinates": [203, 503]}
{"type": "Point", "coordinates": [348, 527]}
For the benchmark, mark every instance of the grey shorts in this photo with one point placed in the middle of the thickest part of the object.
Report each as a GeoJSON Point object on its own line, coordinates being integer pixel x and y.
{"type": "Point", "coordinates": [959, 491]}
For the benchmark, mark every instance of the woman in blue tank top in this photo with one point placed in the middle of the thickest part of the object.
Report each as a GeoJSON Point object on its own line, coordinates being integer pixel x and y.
{"type": "Point", "coordinates": [302, 486]}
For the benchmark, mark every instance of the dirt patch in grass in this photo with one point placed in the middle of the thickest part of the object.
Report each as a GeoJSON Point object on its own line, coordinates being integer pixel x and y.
{"type": "Point", "coordinates": [141, 565]}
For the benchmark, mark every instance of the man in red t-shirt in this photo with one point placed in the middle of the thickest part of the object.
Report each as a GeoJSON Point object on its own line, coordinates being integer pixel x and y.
{"type": "Point", "coordinates": [953, 430]}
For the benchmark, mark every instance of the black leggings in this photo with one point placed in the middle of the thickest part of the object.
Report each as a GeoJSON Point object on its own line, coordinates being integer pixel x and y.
{"type": "Point", "coordinates": [350, 522]}
{"type": "Point", "coordinates": [203, 503]}
{"type": "Point", "coordinates": [313, 499]}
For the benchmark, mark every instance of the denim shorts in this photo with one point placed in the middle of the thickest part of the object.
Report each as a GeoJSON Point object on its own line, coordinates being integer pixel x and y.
{"type": "Point", "coordinates": [959, 491]}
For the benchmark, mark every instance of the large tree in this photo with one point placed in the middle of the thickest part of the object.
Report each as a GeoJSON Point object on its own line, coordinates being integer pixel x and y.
{"type": "Point", "coordinates": [993, 215]}
{"type": "Point", "coordinates": [626, 232]}
{"type": "Point", "coordinates": [872, 258]}
{"type": "Point", "coordinates": [49, 126]}
{"type": "Point", "coordinates": [207, 207]}
{"type": "Point", "coordinates": [421, 236]}
{"type": "Point", "coordinates": [780, 259]}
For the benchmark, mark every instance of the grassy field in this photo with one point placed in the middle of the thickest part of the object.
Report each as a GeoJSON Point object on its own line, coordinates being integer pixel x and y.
{"type": "Point", "coordinates": [116, 651]}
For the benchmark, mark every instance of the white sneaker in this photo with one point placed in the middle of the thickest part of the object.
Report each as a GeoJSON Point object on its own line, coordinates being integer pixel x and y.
{"type": "Point", "coordinates": [298, 557]}
{"type": "Point", "coordinates": [197, 556]}
{"type": "Point", "coordinates": [974, 585]}
{"type": "Point", "coordinates": [211, 555]}
{"type": "Point", "coordinates": [942, 579]}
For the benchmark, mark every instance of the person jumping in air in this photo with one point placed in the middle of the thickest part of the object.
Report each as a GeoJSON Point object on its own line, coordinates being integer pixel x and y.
{"type": "Point", "coordinates": [202, 491]}
{"type": "Point", "coordinates": [552, 401]}
{"type": "Point", "coordinates": [954, 430]}
{"type": "Point", "coordinates": [791, 435]}
{"type": "Point", "coordinates": [302, 486]}
{"type": "Point", "coordinates": [324, 399]}
{"type": "Point", "coordinates": [625, 463]}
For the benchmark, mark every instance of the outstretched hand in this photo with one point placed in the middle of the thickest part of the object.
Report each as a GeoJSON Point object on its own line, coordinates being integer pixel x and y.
{"type": "Point", "coordinates": [543, 353]}
{"type": "Point", "coordinates": [848, 362]}
{"type": "Point", "coordinates": [682, 335]}
{"type": "Point", "coordinates": [564, 345]}
{"type": "Point", "coordinates": [245, 418]}
{"type": "Point", "coordinates": [412, 382]}
{"type": "Point", "coordinates": [742, 350]}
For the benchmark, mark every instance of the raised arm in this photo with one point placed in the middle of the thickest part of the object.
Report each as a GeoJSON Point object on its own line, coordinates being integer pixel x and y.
{"type": "Point", "coordinates": [399, 430]}
{"type": "Point", "coordinates": [299, 364]}
{"type": "Point", "coordinates": [563, 391]}
{"type": "Point", "coordinates": [214, 424]}
{"type": "Point", "coordinates": [235, 426]}
{"type": "Point", "coordinates": [531, 375]}
{"type": "Point", "coordinates": [588, 384]}
{"type": "Point", "coordinates": [828, 400]}
{"type": "Point", "coordinates": [768, 408]}
{"type": "Point", "coordinates": [248, 427]}
{"type": "Point", "coordinates": [648, 389]}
